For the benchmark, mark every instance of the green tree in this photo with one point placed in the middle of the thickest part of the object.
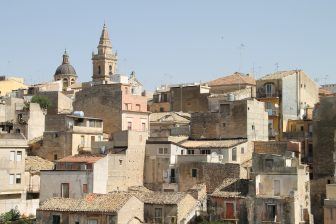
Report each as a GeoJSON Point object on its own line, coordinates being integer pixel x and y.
{"type": "Point", "coordinates": [43, 101]}
{"type": "Point", "coordinates": [14, 217]}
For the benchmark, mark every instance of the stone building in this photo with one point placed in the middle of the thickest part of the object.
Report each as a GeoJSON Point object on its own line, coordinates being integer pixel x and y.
{"type": "Point", "coordinates": [161, 100]}
{"type": "Point", "coordinates": [231, 119]}
{"type": "Point", "coordinates": [104, 63]}
{"type": "Point", "coordinates": [165, 124]}
{"type": "Point", "coordinates": [189, 98]}
{"type": "Point", "coordinates": [286, 95]}
{"type": "Point", "coordinates": [330, 204]}
{"type": "Point", "coordinates": [8, 84]}
{"type": "Point", "coordinates": [118, 208]}
{"type": "Point", "coordinates": [211, 174]}
{"type": "Point", "coordinates": [229, 201]}
{"type": "Point", "coordinates": [115, 169]}
{"type": "Point", "coordinates": [75, 177]}
{"type": "Point", "coordinates": [65, 73]}
{"type": "Point", "coordinates": [116, 105]}
{"type": "Point", "coordinates": [280, 190]}
{"type": "Point", "coordinates": [164, 157]}
{"type": "Point", "coordinates": [324, 126]}
{"type": "Point", "coordinates": [167, 207]}
{"type": "Point", "coordinates": [302, 131]}
{"type": "Point", "coordinates": [13, 192]}
{"type": "Point", "coordinates": [30, 121]}
{"type": "Point", "coordinates": [231, 83]}
{"type": "Point", "coordinates": [67, 134]}
{"type": "Point", "coordinates": [60, 103]}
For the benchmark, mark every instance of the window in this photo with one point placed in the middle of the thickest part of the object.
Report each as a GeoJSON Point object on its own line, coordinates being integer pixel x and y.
{"type": "Point", "coordinates": [158, 215]}
{"type": "Point", "coordinates": [65, 190]}
{"type": "Point", "coordinates": [12, 156]}
{"type": "Point", "coordinates": [92, 221]}
{"type": "Point", "coordinates": [92, 123]}
{"type": "Point", "coordinates": [276, 186]}
{"type": "Point", "coordinates": [194, 173]}
{"type": "Point", "coordinates": [93, 139]}
{"type": "Point", "coordinates": [120, 162]}
{"type": "Point", "coordinates": [253, 127]}
{"type": "Point", "coordinates": [172, 176]}
{"type": "Point", "coordinates": [242, 150]}
{"type": "Point", "coordinates": [160, 150]}
{"type": "Point", "coordinates": [18, 178]}
{"type": "Point", "coordinates": [269, 163]}
{"type": "Point", "coordinates": [56, 219]}
{"type": "Point", "coordinates": [269, 89]}
{"type": "Point", "coordinates": [191, 152]}
{"type": "Point", "coordinates": [288, 163]}
{"type": "Point", "coordinates": [99, 70]}
{"type": "Point", "coordinates": [224, 109]}
{"type": "Point", "coordinates": [270, 212]}
{"type": "Point", "coordinates": [206, 151]}
{"type": "Point", "coordinates": [223, 124]}
{"type": "Point", "coordinates": [82, 140]}
{"type": "Point", "coordinates": [18, 155]}
{"type": "Point", "coordinates": [11, 178]}
{"type": "Point", "coordinates": [143, 125]}
{"type": "Point", "coordinates": [110, 67]}
{"type": "Point", "coordinates": [137, 107]}
{"type": "Point", "coordinates": [112, 219]}
{"type": "Point", "coordinates": [234, 154]}
{"type": "Point", "coordinates": [85, 188]}
{"type": "Point", "coordinates": [182, 152]}
{"type": "Point", "coordinates": [55, 156]}
{"type": "Point", "coordinates": [165, 150]}
{"type": "Point", "coordinates": [129, 126]}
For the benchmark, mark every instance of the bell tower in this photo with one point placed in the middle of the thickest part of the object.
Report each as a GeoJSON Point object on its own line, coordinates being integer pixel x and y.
{"type": "Point", "coordinates": [105, 61]}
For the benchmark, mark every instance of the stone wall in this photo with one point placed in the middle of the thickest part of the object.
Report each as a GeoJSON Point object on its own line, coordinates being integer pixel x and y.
{"type": "Point", "coordinates": [212, 174]}
{"type": "Point", "coordinates": [189, 99]}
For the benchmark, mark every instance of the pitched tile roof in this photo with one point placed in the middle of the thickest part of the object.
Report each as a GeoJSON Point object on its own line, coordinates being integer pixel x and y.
{"type": "Point", "coordinates": [170, 117]}
{"type": "Point", "coordinates": [234, 79]}
{"type": "Point", "coordinates": [232, 187]}
{"type": "Point", "coordinates": [189, 144]}
{"type": "Point", "coordinates": [156, 197]}
{"type": "Point", "coordinates": [35, 163]}
{"type": "Point", "coordinates": [111, 202]}
{"type": "Point", "coordinates": [280, 74]}
{"type": "Point", "coordinates": [82, 158]}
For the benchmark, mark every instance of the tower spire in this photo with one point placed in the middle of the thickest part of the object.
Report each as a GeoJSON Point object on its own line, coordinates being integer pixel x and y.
{"type": "Point", "coordinates": [104, 41]}
{"type": "Point", "coordinates": [65, 57]}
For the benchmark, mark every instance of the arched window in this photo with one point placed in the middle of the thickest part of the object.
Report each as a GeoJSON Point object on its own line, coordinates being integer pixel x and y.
{"type": "Point", "coordinates": [65, 83]}
{"type": "Point", "coordinates": [99, 70]}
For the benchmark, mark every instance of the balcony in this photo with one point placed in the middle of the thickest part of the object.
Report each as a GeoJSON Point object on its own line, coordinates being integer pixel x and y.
{"type": "Point", "coordinates": [262, 94]}
{"type": "Point", "coordinates": [273, 112]}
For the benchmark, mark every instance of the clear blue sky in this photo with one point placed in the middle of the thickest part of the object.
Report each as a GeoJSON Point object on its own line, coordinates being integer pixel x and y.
{"type": "Point", "coordinates": [170, 41]}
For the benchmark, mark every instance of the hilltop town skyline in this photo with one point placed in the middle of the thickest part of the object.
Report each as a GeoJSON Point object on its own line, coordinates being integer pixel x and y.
{"type": "Point", "coordinates": [169, 44]}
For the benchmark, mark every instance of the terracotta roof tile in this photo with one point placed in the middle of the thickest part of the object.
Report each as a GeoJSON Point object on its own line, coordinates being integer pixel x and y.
{"type": "Point", "coordinates": [211, 143]}
{"type": "Point", "coordinates": [82, 158]}
{"type": "Point", "coordinates": [111, 202]}
{"type": "Point", "coordinates": [234, 79]}
{"type": "Point", "coordinates": [35, 164]}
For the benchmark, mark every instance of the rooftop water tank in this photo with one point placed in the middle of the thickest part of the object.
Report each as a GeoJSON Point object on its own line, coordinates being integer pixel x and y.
{"type": "Point", "coordinates": [78, 113]}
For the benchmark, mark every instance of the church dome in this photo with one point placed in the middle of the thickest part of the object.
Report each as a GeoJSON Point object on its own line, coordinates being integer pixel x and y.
{"type": "Point", "coordinates": [65, 68]}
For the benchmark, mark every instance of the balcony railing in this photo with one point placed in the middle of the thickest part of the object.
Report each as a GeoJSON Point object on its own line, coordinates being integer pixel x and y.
{"type": "Point", "coordinates": [262, 94]}
{"type": "Point", "coordinates": [273, 112]}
